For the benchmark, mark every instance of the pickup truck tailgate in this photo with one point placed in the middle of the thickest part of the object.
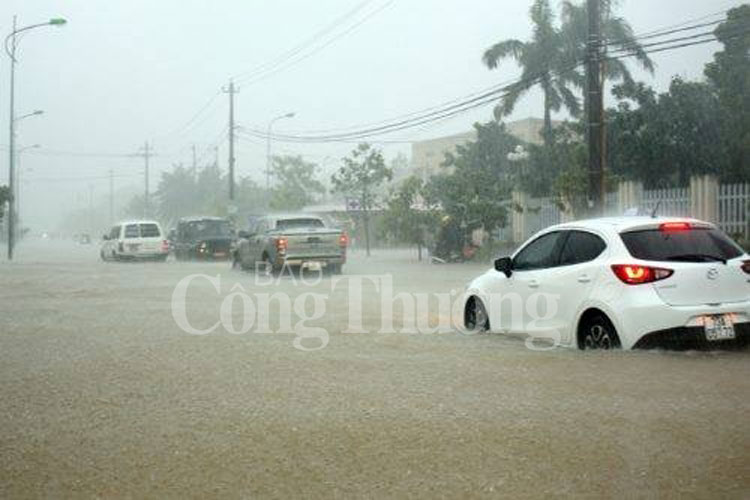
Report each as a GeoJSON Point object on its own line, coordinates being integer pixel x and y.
{"type": "Point", "coordinates": [313, 243]}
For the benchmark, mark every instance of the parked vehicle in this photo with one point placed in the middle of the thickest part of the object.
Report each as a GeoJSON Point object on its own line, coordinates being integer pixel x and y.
{"type": "Point", "coordinates": [301, 241]}
{"type": "Point", "coordinates": [202, 238]}
{"type": "Point", "coordinates": [135, 240]}
{"type": "Point", "coordinates": [631, 282]}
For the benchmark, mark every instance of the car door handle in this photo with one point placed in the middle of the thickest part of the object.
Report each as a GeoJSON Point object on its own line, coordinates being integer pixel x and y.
{"type": "Point", "coordinates": [584, 279]}
{"type": "Point", "coordinates": [533, 284]}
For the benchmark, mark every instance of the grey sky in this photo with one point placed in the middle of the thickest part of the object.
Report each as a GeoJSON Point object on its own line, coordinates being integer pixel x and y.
{"type": "Point", "coordinates": [122, 72]}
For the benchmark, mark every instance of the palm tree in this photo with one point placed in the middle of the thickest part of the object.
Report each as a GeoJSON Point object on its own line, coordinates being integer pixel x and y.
{"type": "Point", "coordinates": [542, 60]}
{"type": "Point", "coordinates": [616, 35]}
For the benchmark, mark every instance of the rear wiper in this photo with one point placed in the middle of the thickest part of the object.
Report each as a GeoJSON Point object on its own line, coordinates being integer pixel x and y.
{"type": "Point", "coordinates": [697, 257]}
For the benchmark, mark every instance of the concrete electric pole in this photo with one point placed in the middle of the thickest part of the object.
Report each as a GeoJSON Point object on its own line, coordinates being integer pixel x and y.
{"type": "Point", "coordinates": [594, 108]}
{"type": "Point", "coordinates": [231, 90]}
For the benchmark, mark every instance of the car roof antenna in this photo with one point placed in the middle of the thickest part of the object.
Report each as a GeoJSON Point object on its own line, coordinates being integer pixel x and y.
{"type": "Point", "coordinates": [655, 210]}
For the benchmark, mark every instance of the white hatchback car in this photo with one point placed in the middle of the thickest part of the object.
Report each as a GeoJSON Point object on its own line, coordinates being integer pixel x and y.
{"type": "Point", "coordinates": [135, 240]}
{"type": "Point", "coordinates": [630, 282]}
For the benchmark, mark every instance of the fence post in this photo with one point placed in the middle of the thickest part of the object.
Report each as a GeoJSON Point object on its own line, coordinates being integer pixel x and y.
{"type": "Point", "coordinates": [520, 199]}
{"type": "Point", "coordinates": [704, 198]}
{"type": "Point", "coordinates": [629, 195]}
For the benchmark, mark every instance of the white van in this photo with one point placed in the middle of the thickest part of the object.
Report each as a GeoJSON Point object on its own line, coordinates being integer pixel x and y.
{"type": "Point", "coordinates": [135, 240]}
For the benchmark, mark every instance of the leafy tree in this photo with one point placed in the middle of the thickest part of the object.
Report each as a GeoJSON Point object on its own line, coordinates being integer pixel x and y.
{"type": "Point", "coordinates": [249, 197]}
{"type": "Point", "coordinates": [729, 74]}
{"type": "Point", "coordinates": [542, 60]}
{"type": "Point", "coordinates": [667, 137]}
{"type": "Point", "coordinates": [136, 207]}
{"type": "Point", "coordinates": [476, 191]}
{"type": "Point", "coordinates": [178, 193]}
{"type": "Point", "coordinates": [407, 216]}
{"type": "Point", "coordinates": [4, 198]}
{"type": "Point", "coordinates": [296, 183]}
{"type": "Point", "coordinates": [362, 173]}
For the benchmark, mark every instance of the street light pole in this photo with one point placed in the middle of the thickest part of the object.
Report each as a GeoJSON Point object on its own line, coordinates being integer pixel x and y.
{"type": "Point", "coordinates": [11, 44]}
{"type": "Point", "coordinates": [268, 147]}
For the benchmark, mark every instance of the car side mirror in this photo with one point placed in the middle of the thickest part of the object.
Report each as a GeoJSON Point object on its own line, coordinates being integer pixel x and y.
{"type": "Point", "coordinates": [243, 234]}
{"type": "Point", "coordinates": [504, 265]}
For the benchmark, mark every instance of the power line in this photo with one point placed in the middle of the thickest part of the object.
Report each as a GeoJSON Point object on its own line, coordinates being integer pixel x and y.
{"type": "Point", "coordinates": [480, 99]}
{"type": "Point", "coordinates": [267, 74]}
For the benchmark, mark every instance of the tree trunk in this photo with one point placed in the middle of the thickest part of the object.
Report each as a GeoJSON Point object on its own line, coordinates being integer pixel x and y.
{"type": "Point", "coordinates": [419, 252]}
{"type": "Point", "coordinates": [547, 132]}
{"type": "Point", "coordinates": [366, 217]}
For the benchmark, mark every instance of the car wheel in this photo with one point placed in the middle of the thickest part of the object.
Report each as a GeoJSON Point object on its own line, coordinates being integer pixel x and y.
{"type": "Point", "coordinates": [599, 333]}
{"type": "Point", "coordinates": [476, 319]}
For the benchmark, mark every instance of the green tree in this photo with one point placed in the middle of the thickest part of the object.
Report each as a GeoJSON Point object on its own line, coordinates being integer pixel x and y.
{"type": "Point", "coordinates": [359, 178]}
{"type": "Point", "coordinates": [729, 74]}
{"type": "Point", "coordinates": [4, 198]}
{"type": "Point", "coordinates": [543, 61]}
{"type": "Point", "coordinates": [296, 183]}
{"type": "Point", "coordinates": [408, 217]}
{"type": "Point", "coordinates": [178, 193]}
{"type": "Point", "coordinates": [666, 138]}
{"type": "Point", "coordinates": [136, 207]}
{"type": "Point", "coordinates": [476, 189]}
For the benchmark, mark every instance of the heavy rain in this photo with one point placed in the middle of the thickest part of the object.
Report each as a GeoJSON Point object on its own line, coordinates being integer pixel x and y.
{"type": "Point", "coordinates": [375, 248]}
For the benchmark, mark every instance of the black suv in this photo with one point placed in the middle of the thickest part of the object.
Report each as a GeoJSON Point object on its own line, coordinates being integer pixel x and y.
{"type": "Point", "coordinates": [202, 238]}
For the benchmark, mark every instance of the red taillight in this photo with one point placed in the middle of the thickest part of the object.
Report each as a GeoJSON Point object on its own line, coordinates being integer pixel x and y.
{"type": "Point", "coordinates": [165, 246]}
{"type": "Point", "coordinates": [633, 274]}
{"type": "Point", "coordinates": [281, 244]}
{"type": "Point", "coordinates": [343, 240]}
{"type": "Point", "coordinates": [674, 226]}
{"type": "Point", "coordinates": [746, 266]}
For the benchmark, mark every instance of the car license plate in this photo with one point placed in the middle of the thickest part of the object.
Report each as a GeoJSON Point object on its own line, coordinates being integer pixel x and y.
{"type": "Point", "coordinates": [220, 254]}
{"type": "Point", "coordinates": [313, 266]}
{"type": "Point", "coordinates": [719, 328]}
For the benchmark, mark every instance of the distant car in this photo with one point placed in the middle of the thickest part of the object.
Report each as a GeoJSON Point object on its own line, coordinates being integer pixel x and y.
{"type": "Point", "coordinates": [84, 239]}
{"type": "Point", "coordinates": [135, 240]}
{"type": "Point", "coordinates": [202, 238]}
{"type": "Point", "coordinates": [630, 282]}
{"type": "Point", "coordinates": [301, 241]}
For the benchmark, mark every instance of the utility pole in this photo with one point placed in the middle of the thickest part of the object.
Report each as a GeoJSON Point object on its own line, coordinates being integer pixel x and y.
{"type": "Point", "coordinates": [146, 152]}
{"type": "Point", "coordinates": [195, 158]}
{"type": "Point", "coordinates": [231, 90]}
{"type": "Point", "coordinates": [594, 108]}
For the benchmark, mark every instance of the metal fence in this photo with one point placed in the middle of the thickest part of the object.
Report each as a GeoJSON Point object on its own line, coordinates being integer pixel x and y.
{"type": "Point", "coordinates": [673, 202]}
{"type": "Point", "coordinates": [734, 209]}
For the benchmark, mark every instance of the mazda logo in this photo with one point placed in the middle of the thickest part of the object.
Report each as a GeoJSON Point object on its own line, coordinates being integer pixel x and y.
{"type": "Point", "coordinates": [712, 274]}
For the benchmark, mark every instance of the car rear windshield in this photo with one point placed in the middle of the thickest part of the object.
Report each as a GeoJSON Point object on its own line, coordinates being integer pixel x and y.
{"type": "Point", "coordinates": [208, 229]}
{"type": "Point", "coordinates": [690, 245]}
{"type": "Point", "coordinates": [150, 231]}
{"type": "Point", "coordinates": [284, 224]}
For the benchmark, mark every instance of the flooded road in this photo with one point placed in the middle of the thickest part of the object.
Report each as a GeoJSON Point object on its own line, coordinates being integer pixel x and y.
{"type": "Point", "coordinates": [103, 394]}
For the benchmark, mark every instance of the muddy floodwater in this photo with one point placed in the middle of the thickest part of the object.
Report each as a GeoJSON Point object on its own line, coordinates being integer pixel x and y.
{"type": "Point", "coordinates": [103, 394]}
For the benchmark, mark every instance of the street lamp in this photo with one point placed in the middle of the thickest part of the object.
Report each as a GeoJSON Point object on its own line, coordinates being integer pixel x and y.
{"type": "Point", "coordinates": [11, 45]}
{"type": "Point", "coordinates": [28, 115]}
{"type": "Point", "coordinates": [268, 147]}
